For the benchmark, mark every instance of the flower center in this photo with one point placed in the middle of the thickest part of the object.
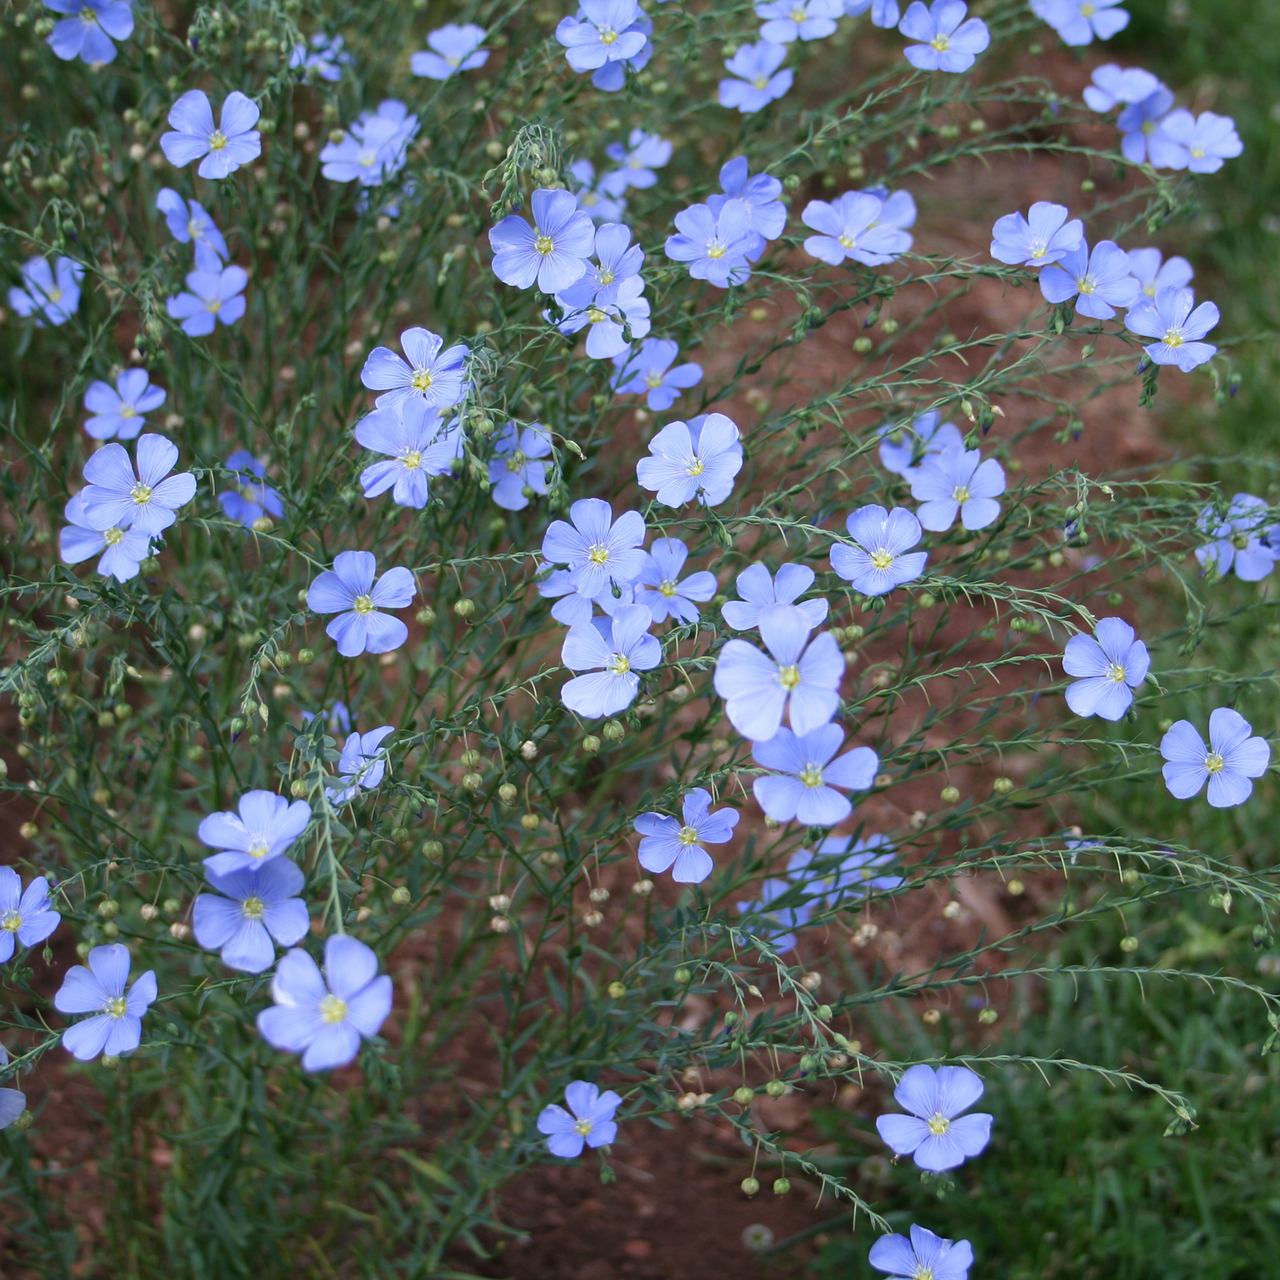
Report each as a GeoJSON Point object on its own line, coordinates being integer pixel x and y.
{"type": "Point", "coordinates": [517, 460]}
{"type": "Point", "coordinates": [1197, 153]}
{"type": "Point", "coordinates": [366, 158]}
{"type": "Point", "coordinates": [848, 241]}
{"type": "Point", "coordinates": [1088, 9]}
{"type": "Point", "coordinates": [1039, 248]}
{"type": "Point", "coordinates": [652, 379]}
{"type": "Point", "coordinates": [941, 43]}
{"type": "Point", "coordinates": [116, 1007]}
{"type": "Point", "coordinates": [422, 380]}
{"type": "Point", "coordinates": [128, 411]}
{"type": "Point", "coordinates": [695, 466]}
{"type": "Point", "coordinates": [258, 849]}
{"type": "Point", "coordinates": [789, 677]}
{"type": "Point", "coordinates": [141, 494]}
{"type": "Point", "coordinates": [333, 1009]}
{"type": "Point", "coordinates": [588, 199]}
{"type": "Point", "coordinates": [544, 244]}
{"type": "Point", "coordinates": [217, 140]}
{"type": "Point", "coordinates": [598, 554]}
{"type": "Point", "coordinates": [607, 35]}
{"type": "Point", "coordinates": [1214, 762]}
{"type": "Point", "coordinates": [12, 921]}
{"type": "Point", "coordinates": [938, 1124]}
{"type": "Point", "coordinates": [194, 230]}
{"type": "Point", "coordinates": [214, 305]}
{"type": "Point", "coordinates": [715, 249]}
{"type": "Point", "coordinates": [1149, 126]}
{"type": "Point", "coordinates": [760, 82]}
{"type": "Point", "coordinates": [881, 559]}
{"type": "Point", "coordinates": [961, 493]}
{"type": "Point", "coordinates": [811, 775]}
{"type": "Point", "coordinates": [605, 276]}
{"type": "Point", "coordinates": [411, 459]}
{"type": "Point", "coordinates": [54, 295]}
{"type": "Point", "coordinates": [668, 588]}
{"type": "Point", "coordinates": [454, 62]}
{"type": "Point", "coordinates": [619, 664]}
{"type": "Point", "coordinates": [253, 908]}
{"type": "Point", "coordinates": [583, 1127]}
{"type": "Point", "coordinates": [1173, 338]}
{"type": "Point", "coordinates": [1115, 673]}
{"type": "Point", "coordinates": [1149, 289]}
{"type": "Point", "coordinates": [113, 537]}
{"type": "Point", "coordinates": [363, 604]}
{"type": "Point", "coordinates": [88, 17]}
{"type": "Point", "coordinates": [688, 835]}
{"type": "Point", "coordinates": [595, 315]}
{"type": "Point", "coordinates": [1087, 284]}
{"type": "Point", "coordinates": [798, 15]}
{"type": "Point", "coordinates": [922, 1272]}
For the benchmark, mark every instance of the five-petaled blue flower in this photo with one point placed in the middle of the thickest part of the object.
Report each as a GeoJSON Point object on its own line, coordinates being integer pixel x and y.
{"type": "Point", "coordinates": [957, 482]}
{"type": "Point", "coordinates": [118, 411]}
{"type": "Point", "coordinates": [660, 590]}
{"type": "Point", "coordinates": [13, 1102]}
{"type": "Point", "coordinates": [1099, 281]}
{"type": "Point", "coordinates": [122, 549]}
{"type": "Point", "coordinates": [606, 322]}
{"type": "Point", "coordinates": [553, 252]}
{"type": "Point", "coordinates": [604, 33]}
{"type": "Point", "coordinates": [148, 502]}
{"type": "Point", "coordinates": [1111, 663]}
{"type": "Point", "coordinates": [788, 20]}
{"type": "Point", "coordinates": [50, 294]}
{"type": "Point", "coordinates": [1153, 273]}
{"type": "Point", "coordinates": [1243, 539]}
{"type": "Point", "coordinates": [597, 549]}
{"type": "Point", "coordinates": [760, 195]}
{"type": "Point", "coordinates": [1169, 318]}
{"type": "Point", "coordinates": [924, 1254]}
{"type": "Point", "coordinates": [588, 1122]}
{"type": "Point", "coordinates": [881, 557]}
{"type": "Point", "coordinates": [349, 590]}
{"type": "Point", "coordinates": [454, 48]}
{"type": "Point", "coordinates": [418, 448]}
{"type": "Point", "coordinates": [808, 773]}
{"type": "Point", "coordinates": [648, 372]}
{"type": "Point", "coordinates": [947, 41]}
{"type": "Point", "coordinates": [374, 149]}
{"type": "Point", "coordinates": [189, 222]}
{"type": "Point", "coordinates": [434, 375]}
{"type": "Point", "coordinates": [324, 1016]}
{"type": "Point", "coordinates": [611, 654]}
{"type": "Point", "coordinates": [326, 57]}
{"type": "Point", "coordinates": [266, 825]}
{"type": "Point", "coordinates": [88, 33]}
{"type": "Point", "coordinates": [637, 160]}
{"type": "Point", "coordinates": [1044, 237]}
{"type": "Point", "coordinates": [1078, 21]}
{"type": "Point", "coordinates": [925, 437]}
{"type": "Point", "coordinates": [760, 80]}
{"type": "Point", "coordinates": [698, 459]}
{"type": "Point", "coordinates": [715, 245]}
{"type": "Point", "coordinates": [225, 146]}
{"type": "Point", "coordinates": [250, 499]}
{"type": "Point", "coordinates": [518, 465]}
{"type": "Point", "coordinates": [771, 924]}
{"type": "Point", "coordinates": [1232, 758]}
{"type": "Point", "coordinates": [935, 1132]}
{"type": "Point", "coordinates": [1113, 85]}
{"type": "Point", "coordinates": [252, 906]}
{"type": "Point", "coordinates": [363, 762]}
{"type": "Point", "coordinates": [853, 226]}
{"type": "Point", "coordinates": [843, 868]}
{"type": "Point", "coordinates": [677, 845]}
{"type": "Point", "coordinates": [25, 915]}
{"type": "Point", "coordinates": [592, 197]}
{"type": "Point", "coordinates": [760, 591]}
{"type": "Point", "coordinates": [211, 296]}
{"type": "Point", "coordinates": [1142, 140]}
{"type": "Point", "coordinates": [100, 989]}
{"type": "Point", "coordinates": [1203, 142]}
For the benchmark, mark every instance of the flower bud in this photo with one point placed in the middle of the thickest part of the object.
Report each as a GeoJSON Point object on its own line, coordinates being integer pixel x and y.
{"type": "Point", "coordinates": [616, 990]}
{"type": "Point", "coordinates": [28, 831]}
{"type": "Point", "coordinates": [24, 1121]}
{"type": "Point", "coordinates": [1016, 887]}
{"type": "Point", "coordinates": [1002, 786]}
{"type": "Point", "coordinates": [750, 1186]}
{"type": "Point", "coordinates": [426, 616]}
{"type": "Point", "coordinates": [987, 1016]}
{"type": "Point", "coordinates": [599, 894]}
{"type": "Point", "coordinates": [500, 924]}
{"type": "Point", "coordinates": [613, 731]}
{"type": "Point", "coordinates": [743, 1095]}
{"type": "Point", "coordinates": [470, 758]}
{"type": "Point", "coordinates": [823, 1012]}
{"type": "Point", "coordinates": [1129, 944]}
{"type": "Point", "coordinates": [306, 656]}
{"type": "Point", "coordinates": [401, 896]}
{"type": "Point", "coordinates": [499, 902]}
{"type": "Point", "coordinates": [110, 929]}
{"type": "Point", "coordinates": [433, 850]}
{"type": "Point", "coordinates": [108, 908]}
{"type": "Point", "coordinates": [472, 781]}
{"type": "Point", "coordinates": [775, 1088]}
{"type": "Point", "coordinates": [464, 608]}
{"type": "Point", "coordinates": [863, 345]}
{"type": "Point", "coordinates": [781, 1186]}
{"type": "Point", "coordinates": [643, 888]}
{"type": "Point", "coordinates": [952, 911]}
{"type": "Point", "coordinates": [950, 794]}
{"type": "Point", "coordinates": [592, 919]}
{"type": "Point", "coordinates": [889, 326]}
{"type": "Point", "coordinates": [111, 1061]}
{"type": "Point", "coordinates": [180, 931]}
{"type": "Point", "coordinates": [730, 1017]}
{"type": "Point", "coordinates": [683, 976]}
{"type": "Point", "coordinates": [811, 981]}
{"type": "Point", "coordinates": [149, 911]}
{"type": "Point", "coordinates": [550, 858]}
{"type": "Point", "coordinates": [507, 792]}
{"type": "Point", "coordinates": [529, 750]}
{"type": "Point", "coordinates": [591, 744]}
{"type": "Point", "coordinates": [298, 788]}
{"type": "Point", "coordinates": [931, 1017]}
{"type": "Point", "coordinates": [263, 524]}
{"type": "Point", "coordinates": [530, 821]}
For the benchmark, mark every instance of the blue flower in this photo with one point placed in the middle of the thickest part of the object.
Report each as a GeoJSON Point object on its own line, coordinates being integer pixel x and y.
{"type": "Point", "coordinates": [935, 1132]}
{"type": "Point", "coordinates": [659, 587]}
{"type": "Point", "coordinates": [881, 558]}
{"type": "Point", "coordinates": [759, 591]}
{"type": "Point", "coordinates": [1139, 123]}
{"type": "Point", "coordinates": [189, 222]}
{"type": "Point", "coordinates": [1148, 269]}
{"type": "Point", "coordinates": [607, 323]}
{"type": "Point", "coordinates": [1113, 85]}
{"type": "Point", "coordinates": [761, 81]}
{"type": "Point", "coordinates": [13, 1102]}
{"type": "Point", "coordinates": [212, 296]}
{"type": "Point", "coordinates": [1241, 540]}
{"type": "Point", "coordinates": [338, 718]}
{"type": "Point", "coordinates": [760, 195]}
{"type": "Point", "coordinates": [668, 843]}
{"type": "Point", "coordinates": [592, 198]}
{"type": "Point", "coordinates": [589, 1120]}
{"type": "Point", "coordinates": [1037, 241]}
{"type": "Point", "coordinates": [597, 549]}
{"type": "Point", "coordinates": [923, 1255]}
{"type": "Point", "coordinates": [715, 245]}
{"type": "Point", "coordinates": [225, 147]}
{"type": "Point", "coordinates": [788, 20]}
{"type": "Point", "coordinates": [118, 411]}
{"type": "Point", "coordinates": [572, 609]}
{"type": "Point", "coordinates": [884, 13]}
{"type": "Point", "coordinates": [808, 773]}
{"type": "Point", "coordinates": [774, 925]}
{"type": "Point", "coordinates": [410, 433]}
{"type": "Point", "coordinates": [853, 227]}
{"type": "Point", "coordinates": [88, 33]}
{"type": "Point", "coordinates": [266, 825]}
{"type": "Point", "coordinates": [1099, 281]}
{"type": "Point", "coordinates": [925, 437]}
{"type": "Point", "coordinates": [947, 41]}
{"type": "Point", "coordinates": [326, 57]}
{"type": "Point", "coordinates": [323, 1017]}
{"type": "Point", "coordinates": [837, 872]}
{"type": "Point", "coordinates": [51, 299]}
{"type": "Point", "coordinates": [795, 674]}
{"type": "Point", "coordinates": [1202, 142]}
{"type": "Point", "coordinates": [1111, 667]}
{"type": "Point", "coordinates": [250, 500]}
{"type": "Point", "coordinates": [349, 590]}
{"type": "Point", "coordinates": [1232, 758]}
{"type": "Point", "coordinates": [613, 75]}
{"type": "Point", "coordinates": [25, 915]}
{"type": "Point", "coordinates": [374, 149]}
{"type": "Point", "coordinates": [434, 375]}
{"type": "Point", "coordinates": [1078, 21]}
{"type": "Point", "coordinates": [456, 48]}
{"type": "Point", "coordinates": [554, 251]}
{"type": "Point", "coordinates": [1169, 319]}
{"type": "Point", "coordinates": [362, 762]}
{"type": "Point", "coordinates": [122, 549]}
{"type": "Point", "coordinates": [612, 656]}
{"type": "Point", "coordinates": [99, 989]}
{"type": "Point", "coordinates": [602, 34]}
{"type": "Point", "coordinates": [260, 903]}
{"type": "Point", "coordinates": [643, 153]}
{"type": "Point", "coordinates": [517, 467]}
{"type": "Point", "coordinates": [958, 482]}
{"type": "Point", "coordinates": [698, 459]}
{"type": "Point", "coordinates": [649, 371]}
{"type": "Point", "coordinates": [116, 498]}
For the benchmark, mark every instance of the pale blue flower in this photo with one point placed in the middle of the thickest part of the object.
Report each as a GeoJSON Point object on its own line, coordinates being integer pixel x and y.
{"type": "Point", "coordinates": [572, 609]}
{"type": "Point", "coordinates": [374, 149]}
{"type": "Point", "coordinates": [250, 499]}
{"type": "Point", "coordinates": [853, 226]}
{"type": "Point", "coordinates": [1243, 539]}
{"type": "Point", "coordinates": [363, 762]}
{"type": "Point", "coordinates": [760, 196]}
{"type": "Point", "coordinates": [122, 549]}
{"type": "Point", "coordinates": [1142, 141]}
{"type": "Point", "coordinates": [1232, 758]}
{"type": "Point", "coordinates": [808, 773]}
{"type": "Point", "coordinates": [418, 448]}
{"type": "Point", "coordinates": [13, 1102]}
{"type": "Point", "coordinates": [935, 1133]}
{"type": "Point", "coordinates": [323, 1017]}
{"type": "Point", "coordinates": [100, 989]}
{"type": "Point", "coordinates": [602, 34]}
{"type": "Point", "coordinates": [923, 1255]}
{"type": "Point", "coordinates": [612, 657]}
{"type": "Point", "coordinates": [881, 557]}
{"type": "Point", "coordinates": [788, 20]}
{"type": "Point", "coordinates": [25, 914]}
{"type": "Point", "coordinates": [1153, 274]}
{"type": "Point", "coordinates": [715, 245]}
{"type": "Point", "coordinates": [698, 459]}
{"type": "Point", "coordinates": [225, 147]}
{"type": "Point", "coordinates": [1045, 237]}
{"type": "Point", "coordinates": [1202, 142]}
{"type": "Point", "coordinates": [326, 57]}
{"type": "Point", "coordinates": [553, 252]}
{"type": "Point", "coordinates": [775, 925]}
{"type": "Point", "coordinates": [760, 80]}
{"type": "Point", "coordinates": [88, 33]}
{"type": "Point", "coordinates": [349, 590]}
{"type": "Point", "coordinates": [1176, 328]}
{"type": "Point", "coordinates": [759, 591]}
{"type": "Point", "coordinates": [843, 868]}
{"type": "Point", "coordinates": [607, 323]}
{"type": "Point", "coordinates": [677, 845]}
{"type": "Point", "coordinates": [618, 262]}
{"type": "Point", "coordinates": [926, 437]}
{"type": "Point", "coordinates": [884, 13]}
{"type": "Point", "coordinates": [597, 203]}
{"type": "Point", "coordinates": [648, 372]}
{"type": "Point", "coordinates": [1113, 85]}
{"type": "Point", "coordinates": [189, 222]}
{"type": "Point", "coordinates": [613, 75]}
{"type": "Point", "coordinates": [260, 904]}
{"type": "Point", "coordinates": [211, 296]}
{"type": "Point", "coordinates": [1110, 666]}
{"type": "Point", "coordinates": [517, 466]}
{"type": "Point", "coordinates": [597, 549]}
{"type": "Point", "coordinates": [947, 41]}
{"type": "Point", "coordinates": [794, 675]}
{"type": "Point", "coordinates": [118, 411]}
{"type": "Point", "coordinates": [588, 1122]}
{"type": "Point", "coordinates": [50, 294]}
{"type": "Point", "coordinates": [148, 502]}
{"type": "Point", "coordinates": [434, 376]}
{"type": "Point", "coordinates": [1099, 281]}
{"type": "Point", "coordinates": [958, 482]}
{"type": "Point", "coordinates": [660, 590]}
{"type": "Point", "coordinates": [1079, 21]}
{"type": "Point", "coordinates": [637, 160]}
{"type": "Point", "coordinates": [454, 48]}
{"type": "Point", "coordinates": [265, 826]}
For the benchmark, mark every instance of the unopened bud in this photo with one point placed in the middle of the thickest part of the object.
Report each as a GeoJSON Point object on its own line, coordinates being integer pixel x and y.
{"type": "Point", "coordinates": [987, 1016]}
{"type": "Point", "coordinates": [599, 894]}
{"type": "Point", "coordinates": [643, 888]}
{"type": "Point", "coordinates": [507, 792]}
{"type": "Point", "coordinates": [180, 931]}
{"type": "Point", "coordinates": [591, 744]}
{"type": "Point", "coordinates": [1002, 786]}
{"type": "Point", "coordinates": [108, 908]}
{"type": "Point", "coordinates": [500, 924]}
{"type": "Point", "coordinates": [28, 831]}
{"type": "Point", "coordinates": [742, 1096]}
{"type": "Point", "coordinates": [1129, 944]}
{"type": "Point", "coordinates": [781, 1186]}
{"type": "Point", "coordinates": [401, 896]}
{"type": "Point", "coordinates": [592, 919]}
{"type": "Point", "coordinates": [811, 981]}
{"type": "Point", "coordinates": [614, 731]}
{"type": "Point", "coordinates": [24, 1121]}
{"type": "Point", "coordinates": [470, 758]}
{"type": "Point", "coordinates": [750, 1186]}
{"type": "Point", "coordinates": [616, 990]}
{"type": "Point", "coordinates": [432, 849]}
{"type": "Point", "coordinates": [149, 911]}
{"type": "Point", "coordinates": [298, 788]}
{"type": "Point", "coordinates": [550, 858]}
{"type": "Point", "coordinates": [952, 910]}
{"type": "Point", "coordinates": [931, 1017]}
{"type": "Point", "coordinates": [687, 1101]}
{"type": "Point", "coordinates": [464, 608]}
{"type": "Point", "coordinates": [950, 795]}
{"type": "Point", "coordinates": [683, 976]}
{"type": "Point", "coordinates": [472, 781]}
{"type": "Point", "coordinates": [529, 750]}
{"type": "Point", "coordinates": [775, 1088]}
{"type": "Point", "coordinates": [426, 616]}
{"type": "Point", "coordinates": [1016, 887]}
{"type": "Point", "coordinates": [530, 821]}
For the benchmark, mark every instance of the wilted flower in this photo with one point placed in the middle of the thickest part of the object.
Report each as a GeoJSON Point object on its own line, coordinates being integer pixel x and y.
{"type": "Point", "coordinates": [260, 904]}
{"type": "Point", "coordinates": [225, 147]}
{"type": "Point", "coordinates": [1111, 667]}
{"type": "Point", "coordinates": [589, 1120]}
{"type": "Point", "coordinates": [118, 411]}
{"type": "Point", "coordinates": [677, 845]}
{"type": "Point", "coordinates": [52, 295]}
{"type": "Point", "coordinates": [266, 825]}
{"type": "Point", "coordinates": [1232, 758]}
{"type": "Point", "coordinates": [808, 775]}
{"type": "Point", "coordinates": [25, 915]}
{"type": "Point", "coordinates": [349, 590]}
{"type": "Point", "coordinates": [881, 558]}
{"type": "Point", "coordinates": [454, 48]}
{"type": "Point", "coordinates": [761, 81]}
{"type": "Point", "coordinates": [698, 459]}
{"type": "Point", "coordinates": [660, 590]}
{"type": "Point", "coordinates": [99, 989]}
{"type": "Point", "coordinates": [935, 1132]}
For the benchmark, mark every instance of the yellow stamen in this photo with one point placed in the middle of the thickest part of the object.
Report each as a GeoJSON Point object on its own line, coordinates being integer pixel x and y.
{"type": "Point", "coordinates": [811, 775]}
{"type": "Point", "coordinates": [363, 604]}
{"type": "Point", "coordinates": [1115, 673]}
{"type": "Point", "coordinates": [1174, 338]}
{"type": "Point", "coordinates": [688, 835]}
{"type": "Point", "coordinates": [668, 588]}
{"type": "Point", "coordinates": [128, 411]}
{"type": "Point", "coordinates": [422, 380]}
{"type": "Point", "coordinates": [938, 1124]}
{"type": "Point", "coordinates": [113, 536]}
{"type": "Point", "coordinates": [333, 1009]}
{"type": "Point", "coordinates": [619, 664]}
{"type": "Point", "coordinates": [789, 677]}
{"type": "Point", "coordinates": [695, 466]}
{"type": "Point", "coordinates": [141, 494]}
{"type": "Point", "coordinates": [116, 1007]}
{"type": "Point", "coordinates": [253, 908]}
{"type": "Point", "coordinates": [881, 559]}
{"type": "Point", "coordinates": [715, 250]}
{"type": "Point", "coordinates": [217, 140]}
{"type": "Point", "coordinates": [599, 554]}
{"type": "Point", "coordinates": [961, 493]}
{"type": "Point", "coordinates": [583, 1127]}
{"type": "Point", "coordinates": [11, 921]}
{"type": "Point", "coordinates": [411, 459]}
{"type": "Point", "coordinates": [941, 43]}
{"type": "Point", "coordinates": [1214, 762]}
{"type": "Point", "coordinates": [544, 245]}
{"type": "Point", "coordinates": [258, 849]}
